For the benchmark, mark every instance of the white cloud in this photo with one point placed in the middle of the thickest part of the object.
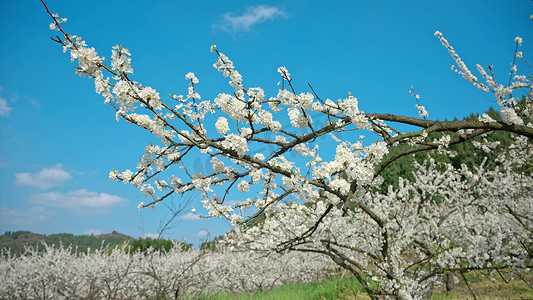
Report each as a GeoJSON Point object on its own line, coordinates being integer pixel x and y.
{"type": "Point", "coordinates": [150, 235]}
{"type": "Point", "coordinates": [5, 109]}
{"type": "Point", "coordinates": [44, 179]}
{"type": "Point", "coordinates": [29, 216]}
{"type": "Point", "coordinates": [191, 216]}
{"type": "Point", "coordinates": [80, 201]}
{"type": "Point", "coordinates": [92, 232]}
{"type": "Point", "coordinates": [252, 16]}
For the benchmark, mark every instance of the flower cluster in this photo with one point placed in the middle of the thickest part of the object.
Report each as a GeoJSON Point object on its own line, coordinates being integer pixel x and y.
{"type": "Point", "coordinates": [463, 69]}
{"type": "Point", "coordinates": [121, 60]}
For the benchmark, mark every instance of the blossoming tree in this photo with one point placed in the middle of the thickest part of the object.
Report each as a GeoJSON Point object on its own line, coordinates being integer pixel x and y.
{"type": "Point", "coordinates": [398, 244]}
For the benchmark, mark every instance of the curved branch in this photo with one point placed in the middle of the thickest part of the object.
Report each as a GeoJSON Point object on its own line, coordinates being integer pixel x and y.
{"type": "Point", "coordinates": [436, 126]}
{"type": "Point", "coordinates": [455, 140]}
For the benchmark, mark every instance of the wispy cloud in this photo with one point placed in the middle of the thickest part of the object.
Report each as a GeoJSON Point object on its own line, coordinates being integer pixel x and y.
{"type": "Point", "coordinates": [80, 201]}
{"type": "Point", "coordinates": [3, 163]}
{"type": "Point", "coordinates": [44, 179]}
{"type": "Point", "coordinates": [34, 102]}
{"type": "Point", "coordinates": [191, 216]}
{"type": "Point", "coordinates": [202, 233]}
{"type": "Point", "coordinates": [5, 109]}
{"type": "Point", "coordinates": [29, 216]}
{"type": "Point", "coordinates": [255, 14]}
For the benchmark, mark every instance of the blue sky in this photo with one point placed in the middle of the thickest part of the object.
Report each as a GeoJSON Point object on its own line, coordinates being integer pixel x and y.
{"type": "Point", "coordinates": [58, 141]}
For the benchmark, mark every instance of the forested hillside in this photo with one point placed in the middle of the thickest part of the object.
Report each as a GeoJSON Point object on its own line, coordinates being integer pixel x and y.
{"type": "Point", "coordinates": [466, 153]}
{"type": "Point", "coordinates": [15, 242]}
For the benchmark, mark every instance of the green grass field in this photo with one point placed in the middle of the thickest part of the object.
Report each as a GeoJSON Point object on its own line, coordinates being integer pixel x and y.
{"type": "Point", "coordinates": [349, 289]}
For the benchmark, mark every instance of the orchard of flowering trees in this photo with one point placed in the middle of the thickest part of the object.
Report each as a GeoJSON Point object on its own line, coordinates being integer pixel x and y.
{"type": "Point", "coordinates": [399, 242]}
{"type": "Point", "coordinates": [108, 273]}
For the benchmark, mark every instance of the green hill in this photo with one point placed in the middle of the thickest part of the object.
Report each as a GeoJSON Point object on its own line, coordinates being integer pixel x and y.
{"type": "Point", "coordinates": [16, 241]}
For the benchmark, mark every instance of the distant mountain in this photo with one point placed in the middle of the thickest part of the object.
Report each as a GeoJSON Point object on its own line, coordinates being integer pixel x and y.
{"type": "Point", "coordinates": [15, 242]}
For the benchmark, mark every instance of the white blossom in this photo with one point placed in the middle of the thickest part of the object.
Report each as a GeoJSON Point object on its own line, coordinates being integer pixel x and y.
{"type": "Point", "coordinates": [422, 111]}
{"type": "Point", "coordinates": [510, 117]}
{"type": "Point", "coordinates": [243, 186]}
{"type": "Point", "coordinates": [222, 125]}
{"type": "Point", "coordinates": [485, 118]}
